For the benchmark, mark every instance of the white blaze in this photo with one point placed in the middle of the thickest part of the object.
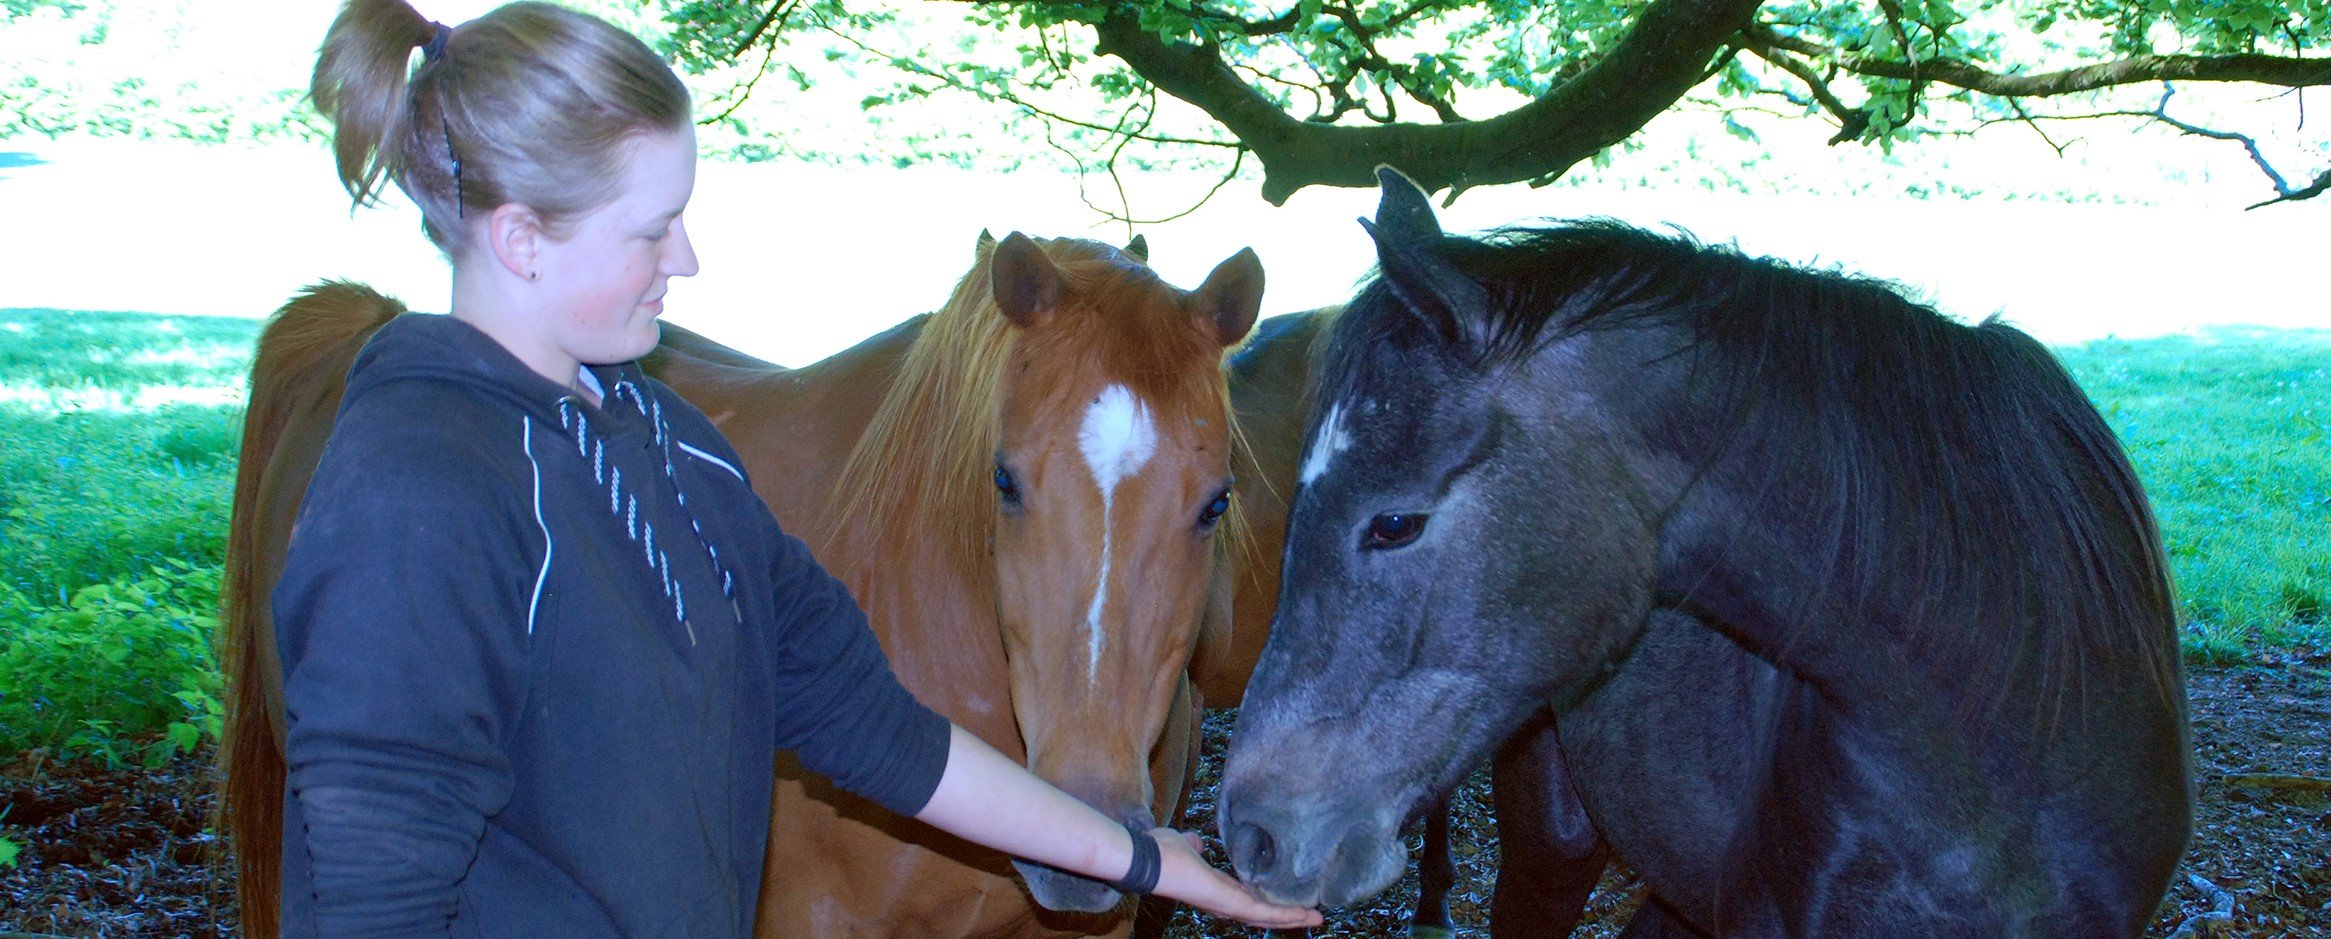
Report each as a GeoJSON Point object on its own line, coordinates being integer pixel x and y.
{"type": "Point", "coordinates": [1117, 438]}
{"type": "Point", "coordinates": [1331, 442]}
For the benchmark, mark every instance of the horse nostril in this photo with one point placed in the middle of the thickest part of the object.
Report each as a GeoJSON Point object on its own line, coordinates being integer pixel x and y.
{"type": "Point", "coordinates": [1253, 850]}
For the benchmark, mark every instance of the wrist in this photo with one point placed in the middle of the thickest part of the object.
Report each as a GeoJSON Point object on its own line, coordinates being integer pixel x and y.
{"type": "Point", "coordinates": [1146, 866]}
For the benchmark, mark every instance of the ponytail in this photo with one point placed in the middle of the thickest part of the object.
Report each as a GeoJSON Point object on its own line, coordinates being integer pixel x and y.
{"type": "Point", "coordinates": [529, 104]}
{"type": "Point", "coordinates": [361, 86]}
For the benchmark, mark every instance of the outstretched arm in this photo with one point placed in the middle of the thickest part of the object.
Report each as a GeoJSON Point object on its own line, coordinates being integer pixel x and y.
{"type": "Point", "coordinates": [986, 798]}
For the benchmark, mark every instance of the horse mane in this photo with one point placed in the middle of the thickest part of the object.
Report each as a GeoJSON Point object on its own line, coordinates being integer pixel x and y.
{"type": "Point", "coordinates": [922, 471]}
{"type": "Point", "coordinates": [1932, 446]}
{"type": "Point", "coordinates": [301, 364]}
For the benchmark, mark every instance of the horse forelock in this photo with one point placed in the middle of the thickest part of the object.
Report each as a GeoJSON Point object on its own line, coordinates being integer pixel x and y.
{"type": "Point", "coordinates": [1935, 446]}
{"type": "Point", "coordinates": [921, 473]}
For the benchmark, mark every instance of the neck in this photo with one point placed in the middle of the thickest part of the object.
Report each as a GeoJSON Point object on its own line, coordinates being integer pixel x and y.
{"type": "Point", "coordinates": [495, 309]}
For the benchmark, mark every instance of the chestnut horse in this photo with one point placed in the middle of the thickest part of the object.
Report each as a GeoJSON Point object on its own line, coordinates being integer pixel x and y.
{"type": "Point", "coordinates": [1026, 492]}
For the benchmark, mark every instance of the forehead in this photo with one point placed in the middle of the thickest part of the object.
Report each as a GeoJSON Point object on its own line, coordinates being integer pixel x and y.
{"type": "Point", "coordinates": [659, 174]}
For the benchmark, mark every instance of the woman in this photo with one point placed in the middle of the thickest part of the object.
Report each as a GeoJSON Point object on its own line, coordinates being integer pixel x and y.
{"type": "Point", "coordinates": [540, 641]}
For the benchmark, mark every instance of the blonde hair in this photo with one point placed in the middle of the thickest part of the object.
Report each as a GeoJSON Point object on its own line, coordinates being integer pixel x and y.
{"type": "Point", "coordinates": [531, 103]}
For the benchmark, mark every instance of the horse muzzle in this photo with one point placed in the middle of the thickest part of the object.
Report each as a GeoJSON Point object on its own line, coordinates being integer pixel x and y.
{"type": "Point", "coordinates": [1055, 889]}
{"type": "Point", "coordinates": [1310, 852]}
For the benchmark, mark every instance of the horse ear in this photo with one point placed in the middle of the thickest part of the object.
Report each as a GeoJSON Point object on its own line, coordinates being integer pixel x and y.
{"type": "Point", "coordinates": [1451, 303]}
{"type": "Point", "coordinates": [1403, 211]}
{"type": "Point", "coordinates": [1026, 284]}
{"type": "Point", "coordinates": [1138, 249]}
{"type": "Point", "coordinates": [1231, 296]}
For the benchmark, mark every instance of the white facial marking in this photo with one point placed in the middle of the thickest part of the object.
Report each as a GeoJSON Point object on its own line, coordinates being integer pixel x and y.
{"type": "Point", "coordinates": [1331, 442]}
{"type": "Point", "coordinates": [1117, 438]}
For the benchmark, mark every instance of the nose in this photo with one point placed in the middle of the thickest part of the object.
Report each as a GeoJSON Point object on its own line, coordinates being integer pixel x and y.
{"type": "Point", "coordinates": [680, 259]}
{"type": "Point", "coordinates": [1253, 852]}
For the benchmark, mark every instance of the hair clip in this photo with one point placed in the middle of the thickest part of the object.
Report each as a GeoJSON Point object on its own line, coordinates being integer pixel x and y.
{"type": "Point", "coordinates": [459, 211]}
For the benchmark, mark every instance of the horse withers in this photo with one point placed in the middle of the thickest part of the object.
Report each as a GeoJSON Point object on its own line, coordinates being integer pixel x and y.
{"type": "Point", "coordinates": [1024, 489]}
{"type": "Point", "coordinates": [1851, 619]}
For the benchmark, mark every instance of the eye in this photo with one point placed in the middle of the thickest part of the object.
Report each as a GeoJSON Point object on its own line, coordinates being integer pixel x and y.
{"type": "Point", "coordinates": [1392, 530]}
{"type": "Point", "coordinates": [1007, 487]}
{"type": "Point", "coordinates": [1214, 510]}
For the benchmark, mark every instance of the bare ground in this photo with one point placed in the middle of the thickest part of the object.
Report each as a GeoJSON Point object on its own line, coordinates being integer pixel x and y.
{"type": "Point", "coordinates": [126, 852]}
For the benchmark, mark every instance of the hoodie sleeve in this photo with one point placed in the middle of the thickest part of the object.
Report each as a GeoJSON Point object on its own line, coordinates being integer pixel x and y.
{"type": "Point", "coordinates": [839, 705]}
{"type": "Point", "coordinates": [401, 621]}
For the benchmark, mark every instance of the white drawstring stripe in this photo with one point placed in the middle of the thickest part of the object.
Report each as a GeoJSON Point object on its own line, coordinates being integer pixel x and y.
{"type": "Point", "coordinates": [526, 440]}
{"type": "Point", "coordinates": [625, 505]}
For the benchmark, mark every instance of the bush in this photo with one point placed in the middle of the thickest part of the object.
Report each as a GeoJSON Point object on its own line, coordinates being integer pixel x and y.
{"type": "Point", "coordinates": [123, 670]}
{"type": "Point", "coordinates": [96, 497]}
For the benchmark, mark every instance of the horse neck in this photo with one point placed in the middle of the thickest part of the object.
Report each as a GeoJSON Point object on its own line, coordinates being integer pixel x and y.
{"type": "Point", "coordinates": [795, 429]}
{"type": "Point", "coordinates": [935, 617]}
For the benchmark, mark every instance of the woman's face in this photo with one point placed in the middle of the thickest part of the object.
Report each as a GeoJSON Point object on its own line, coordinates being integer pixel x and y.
{"type": "Point", "coordinates": [610, 272]}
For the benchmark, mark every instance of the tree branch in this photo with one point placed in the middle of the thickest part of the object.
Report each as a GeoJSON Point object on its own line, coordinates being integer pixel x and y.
{"type": "Point", "coordinates": [779, 12]}
{"type": "Point", "coordinates": [1851, 121]}
{"type": "Point", "coordinates": [1660, 58]}
{"type": "Point", "coordinates": [2282, 188]}
{"type": "Point", "coordinates": [2263, 69]}
{"type": "Point", "coordinates": [910, 66]}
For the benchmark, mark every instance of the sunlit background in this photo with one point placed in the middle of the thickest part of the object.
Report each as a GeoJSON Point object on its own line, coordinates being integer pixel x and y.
{"type": "Point", "coordinates": [2131, 232]}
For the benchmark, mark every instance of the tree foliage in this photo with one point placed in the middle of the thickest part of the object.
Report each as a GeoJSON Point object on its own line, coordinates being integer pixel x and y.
{"type": "Point", "coordinates": [1463, 93]}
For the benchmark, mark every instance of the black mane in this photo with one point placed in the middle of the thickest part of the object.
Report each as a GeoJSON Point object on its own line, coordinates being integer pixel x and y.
{"type": "Point", "coordinates": [1962, 477]}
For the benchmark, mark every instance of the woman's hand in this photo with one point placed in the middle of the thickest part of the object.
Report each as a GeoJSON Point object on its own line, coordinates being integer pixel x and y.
{"type": "Point", "coordinates": [1185, 876]}
{"type": "Point", "coordinates": [988, 799]}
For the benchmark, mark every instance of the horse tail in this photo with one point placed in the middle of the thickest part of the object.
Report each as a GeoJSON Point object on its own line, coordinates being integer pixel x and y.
{"type": "Point", "coordinates": [297, 378]}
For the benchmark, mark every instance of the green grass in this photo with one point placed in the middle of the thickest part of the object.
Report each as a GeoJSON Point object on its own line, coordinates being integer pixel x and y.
{"type": "Point", "coordinates": [2231, 433]}
{"type": "Point", "coordinates": [118, 433]}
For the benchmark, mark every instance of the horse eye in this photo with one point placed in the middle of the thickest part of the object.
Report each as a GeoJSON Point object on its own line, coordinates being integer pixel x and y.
{"type": "Point", "coordinates": [1214, 510]}
{"type": "Point", "coordinates": [1392, 530]}
{"type": "Point", "coordinates": [1007, 487]}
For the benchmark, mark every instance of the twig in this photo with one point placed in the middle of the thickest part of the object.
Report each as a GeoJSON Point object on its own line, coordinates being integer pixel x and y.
{"type": "Point", "coordinates": [775, 17]}
{"type": "Point", "coordinates": [2218, 921]}
{"type": "Point", "coordinates": [2279, 781]}
{"type": "Point", "coordinates": [2282, 189]}
{"type": "Point", "coordinates": [1851, 121]}
{"type": "Point", "coordinates": [2026, 117]}
{"type": "Point", "coordinates": [909, 66]}
{"type": "Point", "coordinates": [747, 93]}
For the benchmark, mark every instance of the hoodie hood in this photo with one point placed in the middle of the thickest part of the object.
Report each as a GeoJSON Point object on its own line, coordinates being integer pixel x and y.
{"type": "Point", "coordinates": [628, 429]}
{"type": "Point", "coordinates": [437, 347]}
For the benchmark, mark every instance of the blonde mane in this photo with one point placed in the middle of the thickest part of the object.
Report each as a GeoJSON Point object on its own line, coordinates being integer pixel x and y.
{"type": "Point", "coordinates": [923, 467]}
{"type": "Point", "coordinates": [923, 460]}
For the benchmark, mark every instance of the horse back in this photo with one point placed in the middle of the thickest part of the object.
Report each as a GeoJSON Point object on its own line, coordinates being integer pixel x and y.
{"type": "Point", "coordinates": [297, 379]}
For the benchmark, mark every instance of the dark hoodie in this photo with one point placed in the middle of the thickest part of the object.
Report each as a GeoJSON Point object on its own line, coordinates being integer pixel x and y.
{"type": "Point", "coordinates": [539, 656]}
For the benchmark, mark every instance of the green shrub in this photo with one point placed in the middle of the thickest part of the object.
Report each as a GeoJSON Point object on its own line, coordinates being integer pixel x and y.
{"type": "Point", "coordinates": [122, 671]}
{"type": "Point", "coordinates": [94, 496]}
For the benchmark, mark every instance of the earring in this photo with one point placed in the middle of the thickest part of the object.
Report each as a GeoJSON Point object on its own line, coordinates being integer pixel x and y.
{"type": "Point", "coordinates": [533, 275]}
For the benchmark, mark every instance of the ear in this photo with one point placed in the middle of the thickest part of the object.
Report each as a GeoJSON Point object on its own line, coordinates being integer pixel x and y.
{"type": "Point", "coordinates": [1231, 296]}
{"type": "Point", "coordinates": [1403, 211]}
{"type": "Point", "coordinates": [1026, 284]}
{"type": "Point", "coordinates": [1138, 249]}
{"type": "Point", "coordinates": [1451, 304]}
{"type": "Point", "coordinates": [514, 234]}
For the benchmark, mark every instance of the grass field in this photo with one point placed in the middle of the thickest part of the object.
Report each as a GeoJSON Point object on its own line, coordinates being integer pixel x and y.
{"type": "Point", "coordinates": [118, 433]}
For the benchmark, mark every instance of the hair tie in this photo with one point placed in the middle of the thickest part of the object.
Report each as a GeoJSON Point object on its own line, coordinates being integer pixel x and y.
{"type": "Point", "coordinates": [434, 49]}
{"type": "Point", "coordinates": [1141, 876]}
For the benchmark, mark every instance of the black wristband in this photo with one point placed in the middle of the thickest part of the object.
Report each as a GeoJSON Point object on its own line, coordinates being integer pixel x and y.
{"type": "Point", "coordinates": [1141, 878]}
